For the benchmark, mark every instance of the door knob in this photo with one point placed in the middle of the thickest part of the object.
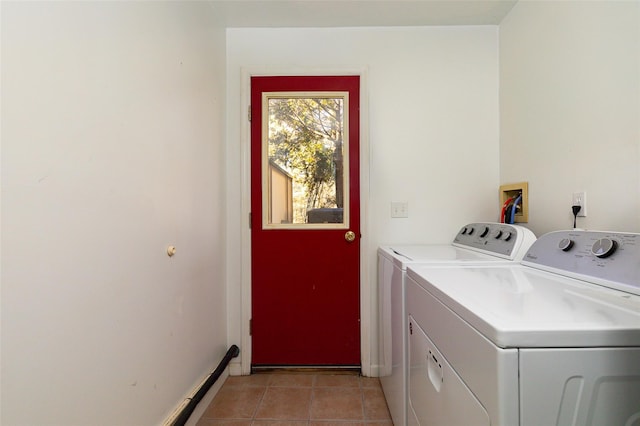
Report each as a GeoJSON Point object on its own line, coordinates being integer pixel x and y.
{"type": "Point", "coordinates": [350, 236]}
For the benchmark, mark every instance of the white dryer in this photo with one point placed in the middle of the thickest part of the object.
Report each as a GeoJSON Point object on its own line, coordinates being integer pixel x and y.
{"type": "Point", "coordinates": [475, 244]}
{"type": "Point", "coordinates": [553, 341]}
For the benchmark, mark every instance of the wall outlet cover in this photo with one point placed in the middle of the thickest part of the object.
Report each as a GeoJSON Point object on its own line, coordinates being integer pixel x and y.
{"type": "Point", "coordinates": [580, 199]}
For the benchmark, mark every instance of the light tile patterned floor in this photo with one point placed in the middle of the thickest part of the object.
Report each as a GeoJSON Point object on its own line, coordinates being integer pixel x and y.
{"type": "Point", "coordinates": [304, 399]}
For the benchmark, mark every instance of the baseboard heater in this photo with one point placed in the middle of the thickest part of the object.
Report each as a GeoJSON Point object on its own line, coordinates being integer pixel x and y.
{"type": "Point", "coordinates": [186, 412]}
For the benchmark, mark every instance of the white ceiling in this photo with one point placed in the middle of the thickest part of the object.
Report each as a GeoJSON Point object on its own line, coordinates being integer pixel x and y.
{"type": "Point", "coordinates": [359, 13]}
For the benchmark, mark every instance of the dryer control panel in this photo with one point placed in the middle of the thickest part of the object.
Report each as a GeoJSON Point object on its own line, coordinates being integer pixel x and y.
{"type": "Point", "coordinates": [611, 259]}
{"type": "Point", "coordinates": [499, 239]}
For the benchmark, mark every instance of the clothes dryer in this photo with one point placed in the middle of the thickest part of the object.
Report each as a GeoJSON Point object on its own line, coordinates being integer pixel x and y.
{"type": "Point", "coordinates": [552, 341]}
{"type": "Point", "coordinates": [474, 244]}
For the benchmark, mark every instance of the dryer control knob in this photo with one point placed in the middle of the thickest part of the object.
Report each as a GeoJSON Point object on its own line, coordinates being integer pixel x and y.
{"type": "Point", "coordinates": [604, 247]}
{"type": "Point", "coordinates": [485, 231]}
{"type": "Point", "coordinates": [565, 244]}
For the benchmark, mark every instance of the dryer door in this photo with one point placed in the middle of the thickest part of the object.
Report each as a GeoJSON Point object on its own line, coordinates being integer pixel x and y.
{"type": "Point", "coordinates": [437, 395]}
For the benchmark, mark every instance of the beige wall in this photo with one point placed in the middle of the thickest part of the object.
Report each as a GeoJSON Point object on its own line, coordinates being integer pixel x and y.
{"type": "Point", "coordinates": [112, 118]}
{"type": "Point", "coordinates": [570, 110]}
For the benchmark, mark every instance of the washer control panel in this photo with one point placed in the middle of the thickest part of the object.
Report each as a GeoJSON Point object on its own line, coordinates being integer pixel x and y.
{"type": "Point", "coordinates": [499, 239]}
{"type": "Point", "coordinates": [607, 258]}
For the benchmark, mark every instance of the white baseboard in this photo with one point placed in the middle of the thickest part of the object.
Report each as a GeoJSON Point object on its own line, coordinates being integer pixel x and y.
{"type": "Point", "coordinates": [202, 405]}
{"type": "Point", "coordinates": [235, 368]}
{"type": "Point", "coordinates": [206, 400]}
{"type": "Point", "coordinates": [375, 370]}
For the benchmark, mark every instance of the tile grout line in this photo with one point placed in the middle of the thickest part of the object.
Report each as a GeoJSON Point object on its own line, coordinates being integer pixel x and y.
{"type": "Point", "coordinates": [313, 393]}
{"type": "Point", "coordinates": [255, 411]}
{"type": "Point", "coordinates": [364, 410]}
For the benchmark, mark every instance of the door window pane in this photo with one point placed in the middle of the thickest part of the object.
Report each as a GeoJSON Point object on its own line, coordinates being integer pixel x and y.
{"type": "Point", "coordinates": [305, 165]}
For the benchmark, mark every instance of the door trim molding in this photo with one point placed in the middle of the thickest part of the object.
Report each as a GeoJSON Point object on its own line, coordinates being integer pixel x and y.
{"type": "Point", "coordinates": [366, 285]}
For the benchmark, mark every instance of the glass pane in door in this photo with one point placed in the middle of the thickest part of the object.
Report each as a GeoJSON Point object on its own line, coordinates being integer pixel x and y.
{"type": "Point", "coordinates": [305, 165]}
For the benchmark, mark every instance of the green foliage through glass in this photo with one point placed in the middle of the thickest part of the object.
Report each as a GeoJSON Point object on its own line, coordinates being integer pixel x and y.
{"type": "Point", "coordinates": [306, 140]}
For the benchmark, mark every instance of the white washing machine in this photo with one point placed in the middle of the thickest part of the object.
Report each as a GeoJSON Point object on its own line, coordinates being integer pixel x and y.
{"type": "Point", "coordinates": [553, 341]}
{"type": "Point", "coordinates": [475, 244]}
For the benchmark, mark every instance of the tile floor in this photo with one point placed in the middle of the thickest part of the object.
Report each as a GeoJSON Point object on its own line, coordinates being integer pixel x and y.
{"type": "Point", "coordinates": [298, 399]}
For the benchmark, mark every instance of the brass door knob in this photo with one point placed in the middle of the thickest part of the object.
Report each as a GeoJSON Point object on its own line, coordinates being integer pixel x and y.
{"type": "Point", "coordinates": [350, 236]}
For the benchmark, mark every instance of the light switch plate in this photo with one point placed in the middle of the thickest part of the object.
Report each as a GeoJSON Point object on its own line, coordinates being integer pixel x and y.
{"type": "Point", "coordinates": [399, 209]}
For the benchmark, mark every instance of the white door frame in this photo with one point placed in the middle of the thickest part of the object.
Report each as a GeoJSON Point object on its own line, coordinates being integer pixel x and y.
{"type": "Point", "coordinates": [245, 152]}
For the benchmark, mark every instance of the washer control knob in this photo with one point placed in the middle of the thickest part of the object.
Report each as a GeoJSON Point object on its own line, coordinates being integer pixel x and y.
{"type": "Point", "coordinates": [604, 247]}
{"type": "Point", "coordinates": [507, 235]}
{"type": "Point", "coordinates": [497, 234]}
{"type": "Point", "coordinates": [470, 231]}
{"type": "Point", "coordinates": [463, 231]}
{"type": "Point", "coordinates": [485, 231]}
{"type": "Point", "coordinates": [565, 244]}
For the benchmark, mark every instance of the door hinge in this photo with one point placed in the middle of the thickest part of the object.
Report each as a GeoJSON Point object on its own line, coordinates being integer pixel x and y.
{"type": "Point", "coordinates": [250, 220]}
{"type": "Point", "coordinates": [249, 113]}
{"type": "Point", "coordinates": [251, 327]}
{"type": "Point", "coordinates": [411, 328]}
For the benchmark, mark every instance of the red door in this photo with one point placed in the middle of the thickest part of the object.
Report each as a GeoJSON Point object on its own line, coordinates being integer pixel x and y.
{"type": "Point", "coordinates": [305, 227]}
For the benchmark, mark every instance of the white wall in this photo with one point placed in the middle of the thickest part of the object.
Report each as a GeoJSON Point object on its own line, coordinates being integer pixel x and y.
{"type": "Point", "coordinates": [112, 118]}
{"type": "Point", "coordinates": [570, 110]}
{"type": "Point", "coordinates": [432, 126]}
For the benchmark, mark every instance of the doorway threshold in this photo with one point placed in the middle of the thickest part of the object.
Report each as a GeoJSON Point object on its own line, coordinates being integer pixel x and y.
{"type": "Point", "coordinates": [306, 369]}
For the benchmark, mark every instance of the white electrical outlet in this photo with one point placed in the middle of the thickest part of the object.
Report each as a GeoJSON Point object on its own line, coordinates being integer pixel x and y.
{"type": "Point", "coordinates": [580, 199]}
{"type": "Point", "coordinates": [399, 209]}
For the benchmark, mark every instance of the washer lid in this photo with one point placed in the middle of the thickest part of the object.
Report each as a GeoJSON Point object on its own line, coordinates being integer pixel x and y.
{"type": "Point", "coordinates": [516, 306]}
{"type": "Point", "coordinates": [405, 255]}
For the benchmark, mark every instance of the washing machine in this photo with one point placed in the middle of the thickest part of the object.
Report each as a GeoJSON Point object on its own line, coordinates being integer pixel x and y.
{"type": "Point", "coordinates": [554, 340]}
{"type": "Point", "coordinates": [474, 244]}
